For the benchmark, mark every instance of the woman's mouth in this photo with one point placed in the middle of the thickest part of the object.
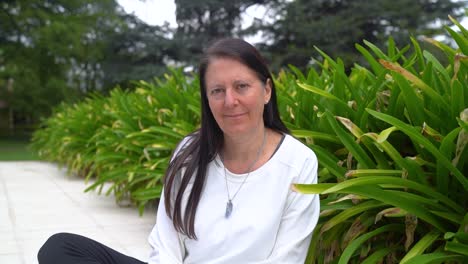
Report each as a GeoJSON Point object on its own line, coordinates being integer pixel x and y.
{"type": "Point", "coordinates": [234, 115]}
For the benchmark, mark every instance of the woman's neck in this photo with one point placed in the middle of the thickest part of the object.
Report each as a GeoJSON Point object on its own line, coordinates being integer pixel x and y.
{"type": "Point", "coordinates": [240, 151]}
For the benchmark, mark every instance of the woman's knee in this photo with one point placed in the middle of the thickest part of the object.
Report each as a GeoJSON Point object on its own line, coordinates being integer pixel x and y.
{"type": "Point", "coordinates": [54, 245]}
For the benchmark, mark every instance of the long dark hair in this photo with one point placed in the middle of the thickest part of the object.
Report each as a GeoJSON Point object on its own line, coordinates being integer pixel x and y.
{"type": "Point", "coordinates": [202, 146]}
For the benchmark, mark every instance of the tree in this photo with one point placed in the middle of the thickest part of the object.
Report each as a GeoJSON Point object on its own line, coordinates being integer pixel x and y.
{"type": "Point", "coordinates": [55, 51]}
{"type": "Point", "coordinates": [335, 26]}
{"type": "Point", "coordinates": [47, 44]}
{"type": "Point", "coordinates": [137, 51]}
{"type": "Point", "coordinates": [202, 21]}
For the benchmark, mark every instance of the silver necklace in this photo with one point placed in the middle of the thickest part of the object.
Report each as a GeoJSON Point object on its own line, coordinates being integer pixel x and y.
{"type": "Point", "coordinates": [229, 205]}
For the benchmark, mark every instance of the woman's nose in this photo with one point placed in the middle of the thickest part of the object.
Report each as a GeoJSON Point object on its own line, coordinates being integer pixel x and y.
{"type": "Point", "coordinates": [230, 97]}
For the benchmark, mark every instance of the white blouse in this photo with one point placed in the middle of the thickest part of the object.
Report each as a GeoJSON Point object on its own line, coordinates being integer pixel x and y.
{"type": "Point", "coordinates": [269, 223]}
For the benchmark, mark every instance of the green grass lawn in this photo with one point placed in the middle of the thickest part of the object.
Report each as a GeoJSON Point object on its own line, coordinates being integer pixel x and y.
{"type": "Point", "coordinates": [15, 149]}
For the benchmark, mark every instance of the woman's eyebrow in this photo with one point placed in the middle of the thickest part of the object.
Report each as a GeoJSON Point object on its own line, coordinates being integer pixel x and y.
{"type": "Point", "coordinates": [237, 81]}
{"type": "Point", "coordinates": [215, 86]}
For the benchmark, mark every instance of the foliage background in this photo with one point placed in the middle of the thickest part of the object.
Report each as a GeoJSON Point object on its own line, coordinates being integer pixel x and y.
{"type": "Point", "coordinates": [54, 51]}
{"type": "Point", "coordinates": [390, 138]}
{"type": "Point", "coordinates": [387, 118]}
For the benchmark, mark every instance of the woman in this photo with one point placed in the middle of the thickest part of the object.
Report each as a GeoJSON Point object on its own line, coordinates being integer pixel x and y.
{"type": "Point", "coordinates": [227, 195]}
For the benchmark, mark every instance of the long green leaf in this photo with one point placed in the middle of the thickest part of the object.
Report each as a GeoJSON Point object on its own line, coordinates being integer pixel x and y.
{"type": "Point", "coordinates": [346, 214]}
{"type": "Point", "coordinates": [414, 135]}
{"type": "Point", "coordinates": [459, 92]}
{"type": "Point", "coordinates": [376, 67]}
{"type": "Point", "coordinates": [449, 52]}
{"type": "Point", "coordinates": [454, 218]}
{"type": "Point", "coordinates": [421, 246]}
{"type": "Point", "coordinates": [438, 66]}
{"type": "Point", "coordinates": [376, 50]}
{"type": "Point", "coordinates": [396, 181]}
{"type": "Point", "coordinates": [412, 101]}
{"type": "Point", "coordinates": [329, 161]}
{"type": "Point", "coordinates": [389, 197]}
{"type": "Point", "coordinates": [414, 172]}
{"type": "Point", "coordinates": [457, 247]}
{"type": "Point", "coordinates": [379, 180]}
{"type": "Point", "coordinates": [353, 246]}
{"type": "Point", "coordinates": [459, 39]}
{"type": "Point", "coordinates": [437, 98]}
{"type": "Point", "coordinates": [299, 133]}
{"type": "Point", "coordinates": [357, 132]}
{"type": "Point", "coordinates": [373, 172]}
{"type": "Point", "coordinates": [326, 95]}
{"type": "Point", "coordinates": [418, 52]}
{"type": "Point", "coordinates": [359, 154]}
{"type": "Point", "coordinates": [447, 148]}
{"type": "Point", "coordinates": [378, 255]}
{"type": "Point", "coordinates": [433, 258]}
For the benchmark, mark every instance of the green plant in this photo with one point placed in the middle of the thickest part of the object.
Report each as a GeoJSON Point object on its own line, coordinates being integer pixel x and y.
{"type": "Point", "coordinates": [123, 142]}
{"type": "Point", "coordinates": [66, 137]}
{"type": "Point", "coordinates": [391, 142]}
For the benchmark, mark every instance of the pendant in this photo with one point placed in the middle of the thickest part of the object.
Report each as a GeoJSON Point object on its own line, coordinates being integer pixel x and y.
{"type": "Point", "coordinates": [228, 209]}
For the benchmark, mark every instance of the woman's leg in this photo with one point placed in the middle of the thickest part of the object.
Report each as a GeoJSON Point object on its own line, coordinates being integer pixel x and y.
{"type": "Point", "coordinates": [71, 248]}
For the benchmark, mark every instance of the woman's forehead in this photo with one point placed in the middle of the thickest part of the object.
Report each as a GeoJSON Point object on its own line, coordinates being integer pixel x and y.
{"type": "Point", "coordinates": [228, 65]}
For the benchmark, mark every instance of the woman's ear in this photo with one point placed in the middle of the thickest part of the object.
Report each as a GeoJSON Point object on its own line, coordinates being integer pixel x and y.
{"type": "Point", "coordinates": [268, 87]}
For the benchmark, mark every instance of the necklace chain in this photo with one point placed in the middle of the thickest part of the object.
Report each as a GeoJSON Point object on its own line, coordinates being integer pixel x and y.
{"type": "Point", "coordinates": [229, 204]}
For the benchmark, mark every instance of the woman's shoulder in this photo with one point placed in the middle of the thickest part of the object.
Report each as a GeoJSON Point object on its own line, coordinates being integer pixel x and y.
{"type": "Point", "coordinates": [294, 147]}
{"type": "Point", "coordinates": [294, 153]}
{"type": "Point", "coordinates": [295, 159]}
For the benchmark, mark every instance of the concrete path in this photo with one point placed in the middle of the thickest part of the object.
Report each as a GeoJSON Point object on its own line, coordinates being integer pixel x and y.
{"type": "Point", "coordinates": [37, 199]}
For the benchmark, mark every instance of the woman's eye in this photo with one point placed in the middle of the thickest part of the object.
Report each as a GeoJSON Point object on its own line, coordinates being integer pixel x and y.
{"type": "Point", "coordinates": [243, 86]}
{"type": "Point", "coordinates": [216, 91]}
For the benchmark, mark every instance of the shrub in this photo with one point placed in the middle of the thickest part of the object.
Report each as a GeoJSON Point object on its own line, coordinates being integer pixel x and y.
{"type": "Point", "coordinates": [124, 140]}
{"type": "Point", "coordinates": [391, 142]}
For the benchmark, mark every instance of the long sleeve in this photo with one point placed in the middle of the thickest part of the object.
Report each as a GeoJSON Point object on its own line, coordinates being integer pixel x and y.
{"type": "Point", "coordinates": [166, 242]}
{"type": "Point", "coordinates": [298, 221]}
{"type": "Point", "coordinates": [167, 247]}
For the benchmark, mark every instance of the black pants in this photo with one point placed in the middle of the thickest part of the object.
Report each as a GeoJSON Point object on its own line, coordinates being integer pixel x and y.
{"type": "Point", "coordinates": [66, 248]}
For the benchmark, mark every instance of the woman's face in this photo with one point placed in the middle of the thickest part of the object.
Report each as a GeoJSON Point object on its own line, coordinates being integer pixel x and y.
{"type": "Point", "coordinates": [236, 96]}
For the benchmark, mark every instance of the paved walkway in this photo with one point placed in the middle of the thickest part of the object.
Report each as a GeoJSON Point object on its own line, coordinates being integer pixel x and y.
{"type": "Point", "coordinates": [37, 199]}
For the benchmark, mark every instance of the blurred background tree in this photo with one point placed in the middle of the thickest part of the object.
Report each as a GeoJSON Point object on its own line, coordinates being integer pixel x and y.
{"type": "Point", "coordinates": [59, 51]}
{"type": "Point", "coordinates": [136, 51]}
{"type": "Point", "coordinates": [336, 25]}
{"type": "Point", "coordinates": [51, 50]}
{"type": "Point", "coordinates": [55, 51]}
{"type": "Point", "coordinates": [199, 22]}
